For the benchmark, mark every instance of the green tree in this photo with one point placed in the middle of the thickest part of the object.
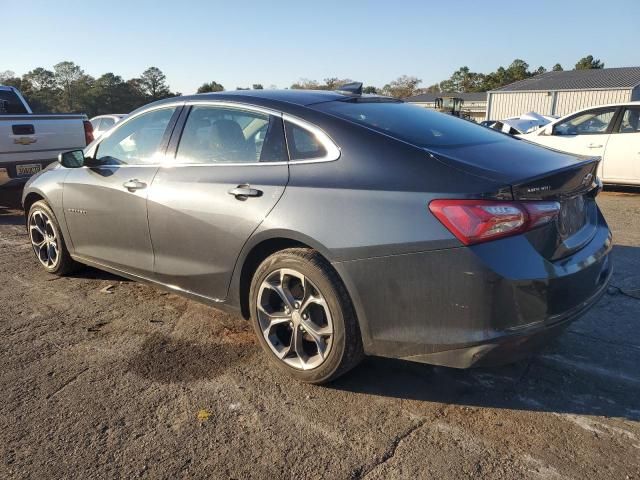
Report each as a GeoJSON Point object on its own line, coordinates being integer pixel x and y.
{"type": "Point", "coordinates": [154, 84]}
{"type": "Point", "coordinates": [8, 78]}
{"type": "Point", "coordinates": [518, 70]}
{"type": "Point", "coordinates": [257, 86]}
{"type": "Point", "coordinates": [41, 89]}
{"type": "Point", "coordinates": [370, 89]}
{"type": "Point", "coordinates": [557, 68]}
{"type": "Point", "coordinates": [68, 75]}
{"type": "Point", "coordinates": [464, 80]}
{"type": "Point", "coordinates": [212, 86]}
{"type": "Point", "coordinates": [588, 63]}
{"type": "Point", "coordinates": [540, 70]}
{"type": "Point", "coordinates": [402, 87]}
{"type": "Point", "coordinates": [305, 84]}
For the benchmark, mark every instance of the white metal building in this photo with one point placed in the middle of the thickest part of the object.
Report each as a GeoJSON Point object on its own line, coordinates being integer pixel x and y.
{"type": "Point", "coordinates": [560, 93]}
{"type": "Point", "coordinates": [475, 104]}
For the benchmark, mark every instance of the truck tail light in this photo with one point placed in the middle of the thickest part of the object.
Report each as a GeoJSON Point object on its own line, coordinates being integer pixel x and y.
{"type": "Point", "coordinates": [476, 221]}
{"type": "Point", "coordinates": [88, 131]}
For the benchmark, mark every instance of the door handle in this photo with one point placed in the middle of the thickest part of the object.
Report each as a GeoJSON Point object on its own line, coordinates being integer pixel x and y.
{"type": "Point", "coordinates": [242, 192]}
{"type": "Point", "coordinates": [593, 145]}
{"type": "Point", "coordinates": [134, 184]}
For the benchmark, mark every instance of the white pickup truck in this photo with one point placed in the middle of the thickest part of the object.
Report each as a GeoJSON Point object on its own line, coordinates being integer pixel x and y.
{"type": "Point", "coordinates": [29, 142]}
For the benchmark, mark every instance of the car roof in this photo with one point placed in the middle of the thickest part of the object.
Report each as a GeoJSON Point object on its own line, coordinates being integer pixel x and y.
{"type": "Point", "coordinates": [297, 97]}
{"type": "Point", "coordinates": [275, 99]}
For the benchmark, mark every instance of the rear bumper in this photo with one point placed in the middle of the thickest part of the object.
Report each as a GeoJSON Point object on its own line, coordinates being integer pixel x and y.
{"type": "Point", "coordinates": [510, 347]}
{"type": "Point", "coordinates": [489, 304]}
{"type": "Point", "coordinates": [9, 176]}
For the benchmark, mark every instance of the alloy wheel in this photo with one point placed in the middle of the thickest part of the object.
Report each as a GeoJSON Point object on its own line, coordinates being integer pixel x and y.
{"type": "Point", "coordinates": [294, 319]}
{"type": "Point", "coordinates": [43, 238]}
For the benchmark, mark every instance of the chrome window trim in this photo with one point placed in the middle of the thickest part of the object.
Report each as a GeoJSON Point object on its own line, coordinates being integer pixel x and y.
{"type": "Point", "coordinates": [127, 119]}
{"type": "Point", "coordinates": [333, 151]}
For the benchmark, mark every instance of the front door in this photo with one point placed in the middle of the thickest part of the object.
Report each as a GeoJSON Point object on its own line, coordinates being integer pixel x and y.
{"type": "Point", "coordinates": [585, 133]}
{"type": "Point", "coordinates": [229, 171]}
{"type": "Point", "coordinates": [105, 201]}
{"type": "Point", "coordinates": [622, 155]}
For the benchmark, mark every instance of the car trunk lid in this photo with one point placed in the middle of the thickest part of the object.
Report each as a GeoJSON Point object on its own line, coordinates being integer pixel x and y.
{"type": "Point", "coordinates": [539, 174]}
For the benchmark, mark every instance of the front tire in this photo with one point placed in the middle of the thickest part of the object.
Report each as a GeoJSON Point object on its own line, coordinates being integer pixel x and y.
{"type": "Point", "coordinates": [46, 240]}
{"type": "Point", "coordinates": [303, 316]}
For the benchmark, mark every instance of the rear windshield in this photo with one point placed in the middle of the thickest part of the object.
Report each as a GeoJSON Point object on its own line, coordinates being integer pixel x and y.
{"type": "Point", "coordinates": [416, 125]}
{"type": "Point", "coordinates": [10, 103]}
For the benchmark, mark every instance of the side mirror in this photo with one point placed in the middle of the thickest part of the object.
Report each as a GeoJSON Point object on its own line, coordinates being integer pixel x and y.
{"type": "Point", "coordinates": [71, 159]}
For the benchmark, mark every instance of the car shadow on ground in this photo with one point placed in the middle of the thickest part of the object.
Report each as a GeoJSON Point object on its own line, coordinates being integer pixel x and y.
{"type": "Point", "coordinates": [11, 206]}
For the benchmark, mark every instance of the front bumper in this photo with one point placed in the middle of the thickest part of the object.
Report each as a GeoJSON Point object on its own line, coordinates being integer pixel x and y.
{"type": "Point", "coordinates": [489, 304]}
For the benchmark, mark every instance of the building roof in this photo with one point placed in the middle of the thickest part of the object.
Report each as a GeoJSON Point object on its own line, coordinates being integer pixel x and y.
{"type": "Point", "coordinates": [431, 97]}
{"type": "Point", "coordinates": [605, 78]}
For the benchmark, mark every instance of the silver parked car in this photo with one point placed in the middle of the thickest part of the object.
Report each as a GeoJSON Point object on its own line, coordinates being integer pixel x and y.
{"type": "Point", "coordinates": [340, 224]}
{"type": "Point", "coordinates": [102, 123]}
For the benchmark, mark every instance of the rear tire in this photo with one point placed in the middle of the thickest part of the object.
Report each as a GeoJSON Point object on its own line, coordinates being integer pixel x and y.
{"type": "Point", "coordinates": [303, 316]}
{"type": "Point", "coordinates": [47, 241]}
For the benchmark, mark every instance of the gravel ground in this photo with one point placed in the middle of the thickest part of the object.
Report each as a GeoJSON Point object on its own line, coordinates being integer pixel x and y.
{"type": "Point", "coordinates": [133, 382]}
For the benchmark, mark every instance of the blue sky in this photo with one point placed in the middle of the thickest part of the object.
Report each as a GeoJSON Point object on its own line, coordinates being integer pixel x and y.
{"type": "Point", "coordinates": [241, 42]}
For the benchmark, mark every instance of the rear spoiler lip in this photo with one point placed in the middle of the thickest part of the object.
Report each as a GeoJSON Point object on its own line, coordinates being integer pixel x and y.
{"type": "Point", "coordinates": [577, 179]}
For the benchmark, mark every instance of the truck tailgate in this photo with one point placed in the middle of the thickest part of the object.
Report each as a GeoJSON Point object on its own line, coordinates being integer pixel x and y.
{"type": "Point", "coordinates": [39, 137]}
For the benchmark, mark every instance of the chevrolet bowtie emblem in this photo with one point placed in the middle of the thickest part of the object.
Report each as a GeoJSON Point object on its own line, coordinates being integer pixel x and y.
{"type": "Point", "coordinates": [25, 140]}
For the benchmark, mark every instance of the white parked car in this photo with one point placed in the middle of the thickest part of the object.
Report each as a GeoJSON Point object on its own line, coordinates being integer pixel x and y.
{"type": "Point", "coordinates": [608, 131]}
{"type": "Point", "coordinates": [29, 142]}
{"type": "Point", "coordinates": [526, 123]}
{"type": "Point", "coordinates": [102, 123]}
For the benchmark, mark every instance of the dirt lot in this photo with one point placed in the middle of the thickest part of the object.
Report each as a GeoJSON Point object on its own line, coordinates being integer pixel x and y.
{"type": "Point", "coordinates": [140, 383]}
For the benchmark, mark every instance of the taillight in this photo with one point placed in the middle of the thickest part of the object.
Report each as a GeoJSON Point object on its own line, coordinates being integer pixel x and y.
{"type": "Point", "coordinates": [475, 221]}
{"type": "Point", "coordinates": [88, 131]}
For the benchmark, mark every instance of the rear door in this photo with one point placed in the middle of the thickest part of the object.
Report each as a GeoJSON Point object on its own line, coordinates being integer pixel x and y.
{"type": "Point", "coordinates": [622, 155]}
{"type": "Point", "coordinates": [105, 202]}
{"type": "Point", "coordinates": [585, 133]}
{"type": "Point", "coordinates": [229, 170]}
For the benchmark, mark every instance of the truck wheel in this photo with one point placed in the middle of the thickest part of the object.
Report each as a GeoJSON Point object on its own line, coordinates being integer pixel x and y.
{"type": "Point", "coordinates": [303, 316]}
{"type": "Point", "coordinates": [46, 240]}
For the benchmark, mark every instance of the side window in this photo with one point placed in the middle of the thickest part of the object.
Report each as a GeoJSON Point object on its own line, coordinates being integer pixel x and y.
{"type": "Point", "coordinates": [10, 103]}
{"type": "Point", "coordinates": [593, 122]}
{"type": "Point", "coordinates": [303, 144]}
{"type": "Point", "coordinates": [95, 123]}
{"type": "Point", "coordinates": [630, 121]}
{"type": "Point", "coordinates": [229, 135]}
{"type": "Point", "coordinates": [135, 142]}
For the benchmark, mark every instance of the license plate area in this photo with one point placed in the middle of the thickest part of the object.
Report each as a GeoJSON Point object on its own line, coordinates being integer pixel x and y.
{"type": "Point", "coordinates": [572, 216]}
{"type": "Point", "coordinates": [28, 169]}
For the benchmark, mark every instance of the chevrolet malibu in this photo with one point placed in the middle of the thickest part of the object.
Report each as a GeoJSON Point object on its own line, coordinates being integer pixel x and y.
{"type": "Point", "coordinates": [339, 224]}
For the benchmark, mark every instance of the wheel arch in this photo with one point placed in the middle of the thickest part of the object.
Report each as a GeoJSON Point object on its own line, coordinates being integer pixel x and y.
{"type": "Point", "coordinates": [258, 248]}
{"type": "Point", "coordinates": [29, 199]}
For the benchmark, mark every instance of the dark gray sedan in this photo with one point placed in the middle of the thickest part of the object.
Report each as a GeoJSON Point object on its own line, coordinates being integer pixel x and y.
{"type": "Point", "coordinates": [340, 224]}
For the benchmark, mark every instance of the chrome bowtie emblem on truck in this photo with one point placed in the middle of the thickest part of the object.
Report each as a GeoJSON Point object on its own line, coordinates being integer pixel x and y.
{"type": "Point", "coordinates": [25, 140]}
